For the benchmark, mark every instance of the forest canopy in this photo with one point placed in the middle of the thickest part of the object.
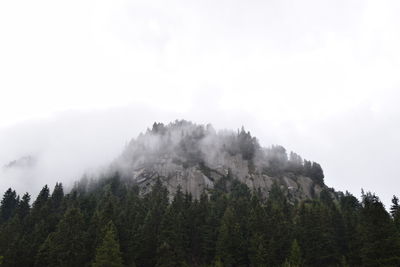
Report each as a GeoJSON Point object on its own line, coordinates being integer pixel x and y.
{"type": "Point", "coordinates": [113, 225]}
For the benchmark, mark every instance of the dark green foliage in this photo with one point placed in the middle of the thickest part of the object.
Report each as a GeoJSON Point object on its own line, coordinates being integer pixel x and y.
{"type": "Point", "coordinates": [23, 206]}
{"type": "Point", "coordinates": [316, 173]}
{"type": "Point", "coordinates": [110, 222]}
{"type": "Point", "coordinates": [114, 225]}
{"type": "Point", "coordinates": [57, 196]}
{"type": "Point", "coordinates": [395, 212]}
{"type": "Point", "coordinates": [149, 231]}
{"type": "Point", "coordinates": [65, 246]}
{"type": "Point", "coordinates": [108, 254]}
{"type": "Point", "coordinates": [8, 205]}
{"type": "Point", "coordinates": [316, 232]}
{"type": "Point", "coordinates": [173, 234]}
{"type": "Point", "coordinates": [379, 238]}
{"type": "Point", "coordinates": [42, 198]}
{"type": "Point", "coordinates": [395, 208]}
{"type": "Point", "coordinates": [295, 258]}
{"type": "Point", "coordinates": [229, 243]}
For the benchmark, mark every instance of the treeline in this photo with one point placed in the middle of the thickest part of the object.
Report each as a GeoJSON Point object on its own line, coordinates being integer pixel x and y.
{"type": "Point", "coordinates": [114, 225]}
{"type": "Point", "coordinates": [275, 162]}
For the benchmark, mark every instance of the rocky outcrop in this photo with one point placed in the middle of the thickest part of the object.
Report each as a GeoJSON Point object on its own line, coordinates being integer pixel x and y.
{"type": "Point", "coordinates": [195, 158]}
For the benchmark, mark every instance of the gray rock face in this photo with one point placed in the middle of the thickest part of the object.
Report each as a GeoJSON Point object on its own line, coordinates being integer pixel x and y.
{"type": "Point", "coordinates": [195, 158]}
{"type": "Point", "coordinates": [197, 179]}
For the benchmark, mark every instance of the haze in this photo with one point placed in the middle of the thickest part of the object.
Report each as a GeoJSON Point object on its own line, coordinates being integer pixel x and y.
{"type": "Point", "coordinates": [78, 79]}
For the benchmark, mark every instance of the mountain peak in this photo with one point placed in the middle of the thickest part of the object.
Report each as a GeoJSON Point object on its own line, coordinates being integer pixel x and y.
{"type": "Point", "coordinates": [196, 157]}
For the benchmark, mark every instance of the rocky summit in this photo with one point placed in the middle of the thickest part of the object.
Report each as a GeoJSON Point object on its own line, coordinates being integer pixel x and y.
{"type": "Point", "coordinates": [197, 158]}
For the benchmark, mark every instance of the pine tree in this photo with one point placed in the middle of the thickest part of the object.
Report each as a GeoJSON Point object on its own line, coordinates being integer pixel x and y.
{"type": "Point", "coordinates": [258, 252]}
{"type": "Point", "coordinates": [108, 254]}
{"type": "Point", "coordinates": [23, 206]}
{"type": "Point", "coordinates": [57, 196]}
{"type": "Point", "coordinates": [129, 220]}
{"type": "Point", "coordinates": [395, 206]}
{"type": "Point", "coordinates": [173, 238]}
{"type": "Point", "coordinates": [395, 212]}
{"type": "Point", "coordinates": [295, 259]}
{"type": "Point", "coordinates": [350, 210]}
{"type": "Point", "coordinates": [8, 205]}
{"type": "Point", "coordinates": [380, 240]}
{"type": "Point", "coordinates": [315, 229]}
{"type": "Point", "coordinates": [65, 246]}
{"type": "Point", "coordinates": [317, 174]}
{"type": "Point", "coordinates": [149, 238]}
{"type": "Point", "coordinates": [229, 240]}
{"type": "Point", "coordinates": [42, 198]}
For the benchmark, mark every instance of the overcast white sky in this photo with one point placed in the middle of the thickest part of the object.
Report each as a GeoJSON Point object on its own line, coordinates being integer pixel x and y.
{"type": "Point", "coordinates": [79, 78]}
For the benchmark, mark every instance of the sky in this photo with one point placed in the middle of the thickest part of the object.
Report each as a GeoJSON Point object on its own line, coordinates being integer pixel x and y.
{"type": "Point", "coordinates": [79, 78]}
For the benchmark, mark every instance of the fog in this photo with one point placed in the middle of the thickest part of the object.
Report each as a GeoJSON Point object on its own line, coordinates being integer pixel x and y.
{"type": "Point", "coordinates": [79, 79]}
{"type": "Point", "coordinates": [356, 151]}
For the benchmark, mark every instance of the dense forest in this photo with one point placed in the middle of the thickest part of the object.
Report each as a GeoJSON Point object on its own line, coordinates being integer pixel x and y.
{"type": "Point", "coordinates": [113, 224]}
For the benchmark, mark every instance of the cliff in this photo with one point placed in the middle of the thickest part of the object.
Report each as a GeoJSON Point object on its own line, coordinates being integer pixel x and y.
{"type": "Point", "coordinates": [197, 158]}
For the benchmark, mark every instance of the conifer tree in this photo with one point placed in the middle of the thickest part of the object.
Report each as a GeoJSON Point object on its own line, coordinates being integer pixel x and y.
{"type": "Point", "coordinates": [23, 207]}
{"type": "Point", "coordinates": [157, 203]}
{"type": "Point", "coordinates": [395, 212]}
{"type": "Point", "coordinates": [65, 246]}
{"type": "Point", "coordinates": [258, 247]}
{"type": "Point", "coordinates": [57, 196]}
{"type": "Point", "coordinates": [8, 205]}
{"type": "Point", "coordinates": [42, 198]}
{"type": "Point", "coordinates": [108, 254]}
{"type": "Point", "coordinates": [229, 239]}
{"type": "Point", "coordinates": [173, 239]}
{"type": "Point", "coordinates": [395, 206]}
{"type": "Point", "coordinates": [294, 259]}
{"type": "Point", "coordinates": [380, 240]}
{"type": "Point", "coordinates": [350, 210]}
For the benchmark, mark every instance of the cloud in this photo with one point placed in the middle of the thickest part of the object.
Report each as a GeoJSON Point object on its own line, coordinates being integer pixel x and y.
{"type": "Point", "coordinates": [302, 74]}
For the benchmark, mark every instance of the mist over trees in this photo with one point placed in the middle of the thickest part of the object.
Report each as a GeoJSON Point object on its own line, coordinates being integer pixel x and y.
{"type": "Point", "coordinates": [112, 221]}
{"type": "Point", "coordinates": [113, 225]}
{"type": "Point", "coordinates": [190, 144]}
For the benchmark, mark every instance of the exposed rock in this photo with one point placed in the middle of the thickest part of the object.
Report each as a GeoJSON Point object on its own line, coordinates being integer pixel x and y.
{"type": "Point", "coordinates": [196, 157]}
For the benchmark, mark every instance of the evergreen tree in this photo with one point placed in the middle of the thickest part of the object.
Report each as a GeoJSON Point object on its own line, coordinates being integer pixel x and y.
{"type": "Point", "coordinates": [149, 239]}
{"type": "Point", "coordinates": [57, 196]}
{"type": "Point", "coordinates": [108, 254]}
{"type": "Point", "coordinates": [316, 235]}
{"type": "Point", "coordinates": [380, 240]}
{"type": "Point", "coordinates": [24, 206]}
{"type": "Point", "coordinates": [8, 205]}
{"type": "Point", "coordinates": [258, 247]}
{"type": "Point", "coordinates": [395, 206]}
{"type": "Point", "coordinates": [173, 239]}
{"type": "Point", "coordinates": [295, 258]}
{"type": "Point", "coordinates": [37, 226]}
{"type": "Point", "coordinates": [350, 210]}
{"type": "Point", "coordinates": [42, 198]}
{"type": "Point", "coordinates": [114, 223]}
{"type": "Point", "coordinates": [395, 212]}
{"type": "Point", "coordinates": [229, 240]}
{"type": "Point", "coordinates": [65, 246]}
{"type": "Point", "coordinates": [317, 174]}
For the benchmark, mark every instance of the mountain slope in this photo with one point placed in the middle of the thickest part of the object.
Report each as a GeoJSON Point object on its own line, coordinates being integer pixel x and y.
{"type": "Point", "coordinates": [196, 158]}
{"type": "Point", "coordinates": [113, 221]}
